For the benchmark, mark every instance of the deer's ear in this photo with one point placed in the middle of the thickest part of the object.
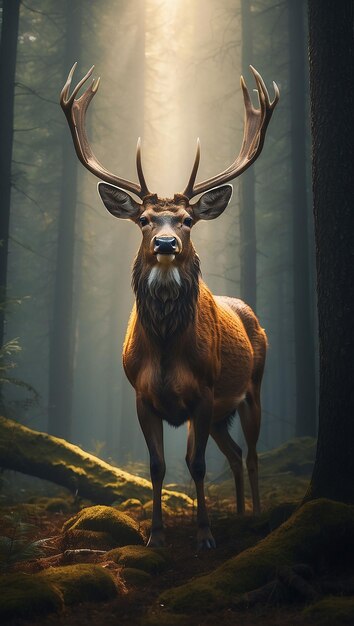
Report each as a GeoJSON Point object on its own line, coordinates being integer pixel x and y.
{"type": "Point", "coordinates": [118, 202]}
{"type": "Point", "coordinates": [212, 203]}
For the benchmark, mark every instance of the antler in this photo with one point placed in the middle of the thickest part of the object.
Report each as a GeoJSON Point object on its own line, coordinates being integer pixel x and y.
{"type": "Point", "coordinates": [256, 122]}
{"type": "Point", "coordinates": [75, 111]}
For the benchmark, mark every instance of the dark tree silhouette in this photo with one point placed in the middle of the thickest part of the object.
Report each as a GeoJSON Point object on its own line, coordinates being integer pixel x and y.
{"type": "Point", "coordinates": [331, 66]}
{"type": "Point", "coordinates": [8, 51]}
{"type": "Point", "coordinates": [304, 342]}
{"type": "Point", "coordinates": [248, 251]}
{"type": "Point", "coordinates": [61, 339]}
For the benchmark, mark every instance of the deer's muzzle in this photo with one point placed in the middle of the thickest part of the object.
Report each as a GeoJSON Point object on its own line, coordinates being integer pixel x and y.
{"type": "Point", "coordinates": [165, 245]}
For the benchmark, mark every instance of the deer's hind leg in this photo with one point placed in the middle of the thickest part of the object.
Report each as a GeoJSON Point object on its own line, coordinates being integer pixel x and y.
{"type": "Point", "coordinates": [220, 433]}
{"type": "Point", "coordinates": [250, 415]}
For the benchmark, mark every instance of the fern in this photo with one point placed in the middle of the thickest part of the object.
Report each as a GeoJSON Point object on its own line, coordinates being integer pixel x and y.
{"type": "Point", "coordinates": [7, 352]}
{"type": "Point", "coordinates": [16, 546]}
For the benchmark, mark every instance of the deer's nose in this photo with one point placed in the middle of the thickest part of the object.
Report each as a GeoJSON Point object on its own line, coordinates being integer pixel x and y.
{"type": "Point", "coordinates": [165, 245]}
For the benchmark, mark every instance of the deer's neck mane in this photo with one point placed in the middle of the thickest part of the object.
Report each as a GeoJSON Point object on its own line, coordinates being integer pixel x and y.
{"type": "Point", "coordinates": [166, 297]}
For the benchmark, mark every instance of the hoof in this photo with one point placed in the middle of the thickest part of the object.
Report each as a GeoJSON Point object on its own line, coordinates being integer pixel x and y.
{"type": "Point", "coordinates": [156, 540]}
{"type": "Point", "coordinates": [206, 544]}
{"type": "Point", "coordinates": [205, 539]}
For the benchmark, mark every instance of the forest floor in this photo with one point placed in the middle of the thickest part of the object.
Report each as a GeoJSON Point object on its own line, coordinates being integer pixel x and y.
{"type": "Point", "coordinates": [284, 477]}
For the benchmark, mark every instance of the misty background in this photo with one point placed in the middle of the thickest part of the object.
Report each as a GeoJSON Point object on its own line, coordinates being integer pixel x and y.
{"type": "Point", "coordinates": [170, 72]}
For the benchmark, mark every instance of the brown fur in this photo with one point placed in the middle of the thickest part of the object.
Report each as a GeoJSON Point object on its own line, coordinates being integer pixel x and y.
{"type": "Point", "coordinates": [190, 356]}
{"type": "Point", "coordinates": [174, 348]}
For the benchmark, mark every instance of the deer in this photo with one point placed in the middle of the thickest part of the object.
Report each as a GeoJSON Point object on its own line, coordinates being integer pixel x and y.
{"type": "Point", "coordinates": [191, 356]}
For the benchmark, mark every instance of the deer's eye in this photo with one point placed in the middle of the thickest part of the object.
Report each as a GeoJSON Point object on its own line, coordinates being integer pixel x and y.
{"type": "Point", "coordinates": [188, 222]}
{"type": "Point", "coordinates": [143, 221]}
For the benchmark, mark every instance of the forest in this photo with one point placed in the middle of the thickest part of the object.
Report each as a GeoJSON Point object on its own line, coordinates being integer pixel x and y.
{"type": "Point", "coordinates": [75, 494]}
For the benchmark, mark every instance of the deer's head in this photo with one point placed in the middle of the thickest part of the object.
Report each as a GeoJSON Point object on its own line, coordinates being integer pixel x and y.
{"type": "Point", "coordinates": [166, 223]}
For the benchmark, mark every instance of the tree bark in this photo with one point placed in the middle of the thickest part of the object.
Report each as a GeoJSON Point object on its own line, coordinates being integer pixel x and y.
{"type": "Point", "coordinates": [62, 333]}
{"type": "Point", "coordinates": [304, 342]}
{"type": "Point", "coordinates": [8, 52]}
{"type": "Point", "coordinates": [41, 455]}
{"type": "Point", "coordinates": [331, 62]}
{"type": "Point", "coordinates": [248, 248]}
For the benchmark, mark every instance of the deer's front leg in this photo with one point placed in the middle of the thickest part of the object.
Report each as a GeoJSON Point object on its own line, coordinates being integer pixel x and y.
{"type": "Point", "coordinates": [153, 433]}
{"type": "Point", "coordinates": [198, 433]}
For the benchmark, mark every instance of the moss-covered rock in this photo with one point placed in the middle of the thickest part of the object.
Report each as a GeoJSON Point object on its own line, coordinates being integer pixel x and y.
{"type": "Point", "coordinates": [332, 611]}
{"type": "Point", "coordinates": [151, 560]}
{"type": "Point", "coordinates": [81, 583]}
{"type": "Point", "coordinates": [26, 595]}
{"type": "Point", "coordinates": [31, 595]}
{"type": "Point", "coordinates": [76, 538]}
{"type": "Point", "coordinates": [122, 529]}
{"type": "Point", "coordinates": [321, 531]}
{"type": "Point", "coordinates": [134, 576]}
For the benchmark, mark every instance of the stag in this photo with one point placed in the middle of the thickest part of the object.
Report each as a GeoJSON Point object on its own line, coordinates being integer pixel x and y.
{"type": "Point", "coordinates": [190, 356]}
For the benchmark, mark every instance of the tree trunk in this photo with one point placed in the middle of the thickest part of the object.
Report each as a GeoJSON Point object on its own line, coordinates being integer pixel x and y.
{"type": "Point", "coordinates": [248, 248]}
{"type": "Point", "coordinates": [38, 454]}
{"type": "Point", "coordinates": [113, 369]}
{"type": "Point", "coordinates": [331, 64]}
{"type": "Point", "coordinates": [62, 335]}
{"type": "Point", "coordinates": [304, 343]}
{"type": "Point", "coordinates": [8, 51]}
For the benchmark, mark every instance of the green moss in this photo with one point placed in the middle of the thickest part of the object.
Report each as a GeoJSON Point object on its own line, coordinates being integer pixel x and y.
{"type": "Point", "coordinates": [77, 538]}
{"type": "Point", "coordinates": [151, 560]}
{"type": "Point", "coordinates": [280, 513]}
{"type": "Point", "coordinates": [104, 519]}
{"type": "Point", "coordinates": [131, 503]}
{"type": "Point", "coordinates": [332, 611]}
{"type": "Point", "coordinates": [295, 456]}
{"type": "Point", "coordinates": [199, 597]}
{"type": "Point", "coordinates": [81, 583]}
{"type": "Point", "coordinates": [26, 595]}
{"type": "Point", "coordinates": [322, 530]}
{"type": "Point", "coordinates": [284, 470]}
{"type": "Point", "coordinates": [30, 595]}
{"type": "Point", "coordinates": [134, 576]}
{"type": "Point", "coordinates": [56, 505]}
{"type": "Point", "coordinates": [148, 507]}
{"type": "Point", "coordinates": [51, 458]}
{"type": "Point", "coordinates": [161, 618]}
{"type": "Point", "coordinates": [173, 500]}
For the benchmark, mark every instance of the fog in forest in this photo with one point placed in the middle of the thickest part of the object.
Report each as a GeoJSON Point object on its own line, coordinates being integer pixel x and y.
{"type": "Point", "coordinates": [170, 72]}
